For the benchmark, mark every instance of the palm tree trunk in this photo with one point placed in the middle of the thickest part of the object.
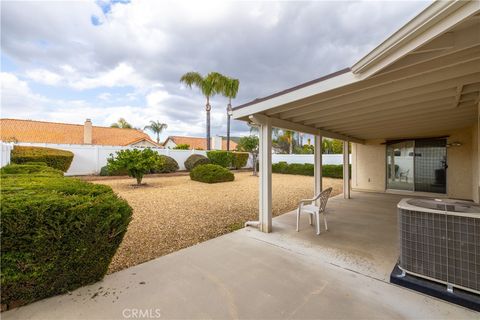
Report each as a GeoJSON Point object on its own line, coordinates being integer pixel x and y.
{"type": "Point", "coordinates": [228, 124]}
{"type": "Point", "coordinates": [207, 109]}
{"type": "Point", "coordinates": [158, 137]}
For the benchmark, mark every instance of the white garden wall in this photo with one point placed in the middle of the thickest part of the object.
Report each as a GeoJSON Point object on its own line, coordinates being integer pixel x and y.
{"type": "Point", "coordinates": [90, 159]}
{"type": "Point", "coordinates": [5, 152]}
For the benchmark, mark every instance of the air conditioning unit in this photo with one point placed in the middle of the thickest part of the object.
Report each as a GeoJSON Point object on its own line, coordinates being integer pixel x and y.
{"type": "Point", "coordinates": [440, 241]}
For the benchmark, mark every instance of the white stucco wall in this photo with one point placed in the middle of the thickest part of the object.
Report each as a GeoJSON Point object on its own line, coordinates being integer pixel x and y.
{"type": "Point", "coordinates": [369, 165]}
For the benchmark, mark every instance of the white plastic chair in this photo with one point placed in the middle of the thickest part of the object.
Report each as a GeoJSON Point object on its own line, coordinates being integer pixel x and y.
{"type": "Point", "coordinates": [314, 211]}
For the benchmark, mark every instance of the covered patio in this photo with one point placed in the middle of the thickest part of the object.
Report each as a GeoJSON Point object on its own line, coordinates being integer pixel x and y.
{"type": "Point", "coordinates": [248, 274]}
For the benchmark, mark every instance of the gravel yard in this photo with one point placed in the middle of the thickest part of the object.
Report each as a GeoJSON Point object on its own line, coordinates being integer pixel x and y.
{"type": "Point", "coordinates": [173, 212]}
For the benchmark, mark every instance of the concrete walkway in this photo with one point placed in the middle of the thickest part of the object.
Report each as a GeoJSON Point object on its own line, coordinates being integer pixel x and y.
{"type": "Point", "coordinates": [239, 275]}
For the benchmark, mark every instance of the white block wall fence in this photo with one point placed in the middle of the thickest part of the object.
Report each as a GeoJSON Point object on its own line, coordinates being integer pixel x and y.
{"type": "Point", "coordinates": [90, 159]}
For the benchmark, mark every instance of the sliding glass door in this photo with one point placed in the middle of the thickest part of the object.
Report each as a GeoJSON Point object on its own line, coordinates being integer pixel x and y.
{"type": "Point", "coordinates": [417, 165]}
{"type": "Point", "coordinates": [400, 166]}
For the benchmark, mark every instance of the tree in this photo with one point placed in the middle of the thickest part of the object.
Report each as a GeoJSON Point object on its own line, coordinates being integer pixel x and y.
{"type": "Point", "coordinates": [122, 124]}
{"type": "Point", "coordinates": [229, 89]}
{"type": "Point", "coordinates": [250, 144]}
{"type": "Point", "coordinates": [156, 127]}
{"type": "Point", "coordinates": [137, 162]}
{"type": "Point", "coordinates": [209, 86]}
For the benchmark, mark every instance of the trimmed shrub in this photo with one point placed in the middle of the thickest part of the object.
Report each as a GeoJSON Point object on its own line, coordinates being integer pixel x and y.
{"type": "Point", "coordinates": [58, 234]}
{"type": "Point", "coordinates": [104, 171]}
{"type": "Point", "coordinates": [135, 161]}
{"type": "Point", "coordinates": [36, 163]}
{"type": "Point", "coordinates": [240, 159]}
{"type": "Point", "coordinates": [32, 169]}
{"type": "Point", "coordinates": [55, 158]}
{"type": "Point", "coordinates": [211, 173]}
{"type": "Point", "coordinates": [307, 169]}
{"type": "Point", "coordinates": [165, 164]}
{"type": "Point", "coordinates": [222, 158]}
{"type": "Point", "coordinates": [195, 160]}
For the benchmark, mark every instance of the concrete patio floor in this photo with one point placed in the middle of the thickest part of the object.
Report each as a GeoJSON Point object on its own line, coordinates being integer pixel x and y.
{"type": "Point", "coordinates": [250, 275]}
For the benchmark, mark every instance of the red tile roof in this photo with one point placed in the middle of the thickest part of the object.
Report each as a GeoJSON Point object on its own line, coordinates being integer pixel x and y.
{"type": "Point", "coordinates": [65, 133]}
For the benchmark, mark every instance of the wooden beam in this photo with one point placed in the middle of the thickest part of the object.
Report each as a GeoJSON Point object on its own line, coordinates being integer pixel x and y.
{"type": "Point", "coordinates": [458, 94]}
{"type": "Point", "coordinates": [318, 166]}
{"type": "Point", "coordinates": [265, 181]}
{"type": "Point", "coordinates": [346, 171]}
{"type": "Point", "coordinates": [288, 125]}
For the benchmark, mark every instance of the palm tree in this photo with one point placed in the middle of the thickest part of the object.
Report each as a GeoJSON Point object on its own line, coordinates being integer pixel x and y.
{"type": "Point", "coordinates": [156, 127]}
{"type": "Point", "coordinates": [209, 86]}
{"type": "Point", "coordinates": [122, 124]}
{"type": "Point", "coordinates": [230, 90]}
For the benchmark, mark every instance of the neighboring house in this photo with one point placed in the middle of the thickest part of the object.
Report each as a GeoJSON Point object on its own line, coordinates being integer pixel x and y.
{"type": "Point", "coordinates": [30, 131]}
{"type": "Point", "coordinates": [410, 109]}
{"type": "Point", "coordinates": [218, 143]}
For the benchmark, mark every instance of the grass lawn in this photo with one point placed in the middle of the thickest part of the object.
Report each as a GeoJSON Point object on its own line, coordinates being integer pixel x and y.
{"type": "Point", "coordinates": [173, 212]}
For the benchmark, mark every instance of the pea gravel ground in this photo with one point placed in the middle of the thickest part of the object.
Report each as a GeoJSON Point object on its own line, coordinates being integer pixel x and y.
{"type": "Point", "coordinates": [173, 212]}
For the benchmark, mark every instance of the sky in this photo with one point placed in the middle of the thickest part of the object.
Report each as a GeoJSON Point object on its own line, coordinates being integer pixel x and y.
{"type": "Point", "coordinates": [66, 61]}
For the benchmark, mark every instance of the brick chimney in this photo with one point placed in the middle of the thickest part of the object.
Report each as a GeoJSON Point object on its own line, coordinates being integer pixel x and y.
{"type": "Point", "coordinates": [87, 132]}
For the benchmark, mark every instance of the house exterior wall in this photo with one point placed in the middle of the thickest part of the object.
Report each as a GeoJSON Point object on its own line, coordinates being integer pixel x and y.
{"type": "Point", "coordinates": [144, 144]}
{"type": "Point", "coordinates": [476, 159]}
{"type": "Point", "coordinates": [170, 144]}
{"type": "Point", "coordinates": [369, 165]}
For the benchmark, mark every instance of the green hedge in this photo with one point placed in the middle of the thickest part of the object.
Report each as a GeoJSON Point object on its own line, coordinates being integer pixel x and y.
{"type": "Point", "coordinates": [211, 173]}
{"type": "Point", "coordinates": [307, 169]}
{"type": "Point", "coordinates": [240, 159]}
{"type": "Point", "coordinates": [195, 160]}
{"type": "Point", "coordinates": [55, 158]}
{"type": "Point", "coordinates": [58, 234]}
{"type": "Point", "coordinates": [221, 158]}
{"type": "Point", "coordinates": [165, 164]}
{"type": "Point", "coordinates": [38, 169]}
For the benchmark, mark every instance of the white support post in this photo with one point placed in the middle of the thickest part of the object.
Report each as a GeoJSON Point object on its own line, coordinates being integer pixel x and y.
{"type": "Point", "coordinates": [265, 184]}
{"type": "Point", "coordinates": [318, 165]}
{"type": "Point", "coordinates": [346, 172]}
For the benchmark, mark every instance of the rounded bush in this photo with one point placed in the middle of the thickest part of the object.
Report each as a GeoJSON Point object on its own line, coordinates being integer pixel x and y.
{"type": "Point", "coordinates": [165, 164]}
{"type": "Point", "coordinates": [30, 169]}
{"type": "Point", "coordinates": [211, 173]}
{"type": "Point", "coordinates": [195, 160]}
{"type": "Point", "coordinates": [222, 158]}
{"type": "Point", "coordinates": [58, 234]}
{"type": "Point", "coordinates": [240, 159]}
{"type": "Point", "coordinates": [55, 158]}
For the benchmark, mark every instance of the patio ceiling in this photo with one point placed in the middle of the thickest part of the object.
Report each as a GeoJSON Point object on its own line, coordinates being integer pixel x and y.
{"type": "Point", "coordinates": [422, 81]}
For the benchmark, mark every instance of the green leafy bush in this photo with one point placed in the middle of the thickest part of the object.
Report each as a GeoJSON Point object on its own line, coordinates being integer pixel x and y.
{"type": "Point", "coordinates": [58, 234]}
{"type": "Point", "coordinates": [211, 173]}
{"type": "Point", "coordinates": [307, 169]}
{"type": "Point", "coordinates": [182, 146]}
{"type": "Point", "coordinates": [165, 164]}
{"type": "Point", "coordinates": [240, 159]}
{"type": "Point", "coordinates": [135, 161]}
{"type": "Point", "coordinates": [36, 163]}
{"type": "Point", "coordinates": [222, 158]}
{"type": "Point", "coordinates": [55, 158]}
{"type": "Point", "coordinates": [32, 169]}
{"type": "Point", "coordinates": [104, 171]}
{"type": "Point", "coordinates": [195, 160]}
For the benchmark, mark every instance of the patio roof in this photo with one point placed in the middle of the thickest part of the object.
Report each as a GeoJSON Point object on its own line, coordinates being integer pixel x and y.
{"type": "Point", "coordinates": [422, 81]}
